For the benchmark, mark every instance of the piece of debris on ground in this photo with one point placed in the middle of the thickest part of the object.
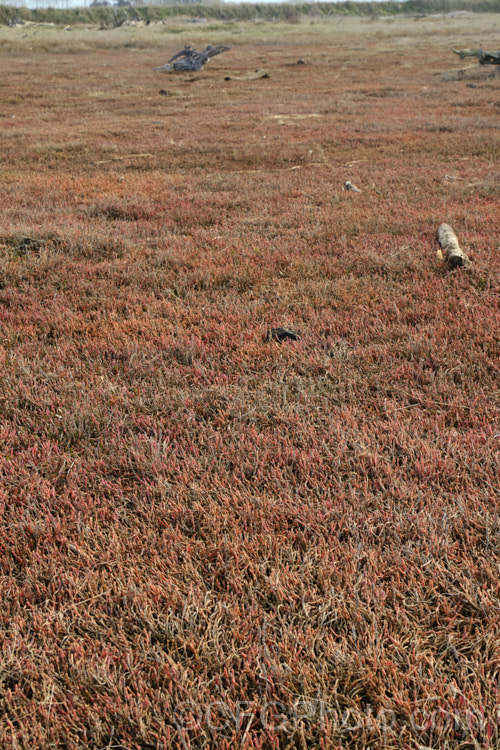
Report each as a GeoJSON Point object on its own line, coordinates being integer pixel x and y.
{"type": "Point", "coordinates": [349, 186]}
{"type": "Point", "coordinates": [259, 73]}
{"type": "Point", "coordinates": [282, 334]}
{"type": "Point", "coordinates": [454, 256]}
{"type": "Point", "coordinates": [190, 59]}
{"type": "Point", "coordinates": [484, 58]}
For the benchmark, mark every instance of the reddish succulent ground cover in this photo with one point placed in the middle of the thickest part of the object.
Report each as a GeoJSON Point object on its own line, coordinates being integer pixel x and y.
{"type": "Point", "coordinates": [210, 539]}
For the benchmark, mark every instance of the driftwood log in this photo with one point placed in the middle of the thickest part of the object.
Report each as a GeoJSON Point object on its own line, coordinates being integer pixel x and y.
{"type": "Point", "coordinates": [350, 186]}
{"type": "Point", "coordinates": [255, 76]}
{"type": "Point", "coordinates": [118, 20]}
{"type": "Point", "coordinates": [454, 256]}
{"type": "Point", "coordinates": [485, 58]}
{"type": "Point", "coordinates": [190, 59]}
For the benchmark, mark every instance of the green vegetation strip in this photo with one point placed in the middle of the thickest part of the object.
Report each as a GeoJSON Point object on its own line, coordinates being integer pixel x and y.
{"type": "Point", "coordinates": [245, 11]}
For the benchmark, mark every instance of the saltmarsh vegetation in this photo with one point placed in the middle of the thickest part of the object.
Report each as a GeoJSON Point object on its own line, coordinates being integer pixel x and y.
{"type": "Point", "coordinates": [245, 11]}
{"type": "Point", "coordinates": [210, 540]}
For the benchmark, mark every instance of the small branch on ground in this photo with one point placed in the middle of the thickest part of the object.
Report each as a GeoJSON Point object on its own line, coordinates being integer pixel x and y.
{"type": "Point", "coordinates": [120, 158]}
{"type": "Point", "coordinates": [250, 77]}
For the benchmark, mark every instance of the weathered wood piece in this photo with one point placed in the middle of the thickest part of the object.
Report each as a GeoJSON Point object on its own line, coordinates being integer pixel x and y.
{"type": "Point", "coordinates": [255, 76]}
{"type": "Point", "coordinates": [118, 20]}
{"type": "Point", "coordinates": [350, 186]}
{"type": "Point", "coordinates": [485, 58]}
{"type": "Point", "coordinates": [282, 334]}
{"type": "Point", "coordinates": [190, 59]}
{"type": "Point", "coordinates": [454, 256]}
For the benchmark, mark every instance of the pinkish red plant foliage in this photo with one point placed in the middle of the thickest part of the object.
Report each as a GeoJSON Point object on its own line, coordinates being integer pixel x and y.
{"type": "Point", "coordinates": [209, 539]}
